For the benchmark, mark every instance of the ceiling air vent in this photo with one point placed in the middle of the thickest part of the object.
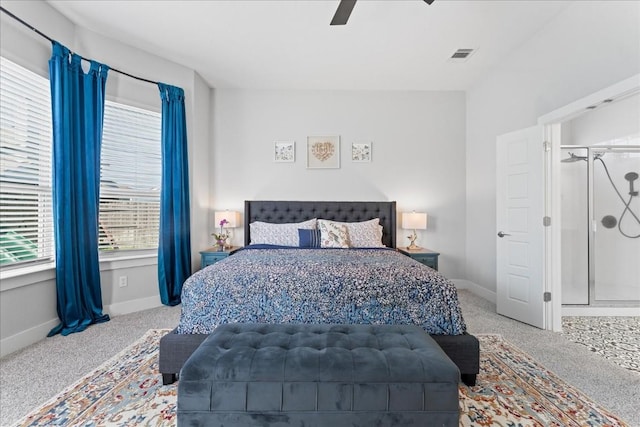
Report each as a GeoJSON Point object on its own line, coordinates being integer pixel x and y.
{"type": "Point", "coordinates": [461, 55]}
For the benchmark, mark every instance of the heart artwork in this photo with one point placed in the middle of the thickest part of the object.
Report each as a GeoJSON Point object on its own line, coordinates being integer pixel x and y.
{"type": "Point", "coordinates": [322, 150]}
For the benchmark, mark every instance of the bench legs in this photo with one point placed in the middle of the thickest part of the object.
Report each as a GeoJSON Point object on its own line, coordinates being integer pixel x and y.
{"type": "Point", "coordinates": [464, 351]}
{"type": "Point", "coordinates": [175, 349]}
{"type": "Point", "coordinates": [468, 379]}
{"type": "Point", "coordinates": [169, 379]}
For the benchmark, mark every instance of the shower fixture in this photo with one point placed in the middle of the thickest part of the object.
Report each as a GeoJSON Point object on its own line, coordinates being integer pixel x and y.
{"type": "Point", "coordinates": [576, 158]}
{"type": "Point", "coordinates": [610, 221]}
{"type": "Point", "coordinates": [573, 158]}
{"type": "Point", "coordinates": [631, 176]}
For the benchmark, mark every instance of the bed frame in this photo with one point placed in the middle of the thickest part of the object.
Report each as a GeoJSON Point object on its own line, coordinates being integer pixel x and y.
{"type": "Point", "coordinates": [279, 212]}
{"type": "Point", "coordinates": [175, 348]}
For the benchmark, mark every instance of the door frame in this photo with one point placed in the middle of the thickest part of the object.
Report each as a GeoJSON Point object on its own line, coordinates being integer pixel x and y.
{"type": "Point", "coordinates": [552, 130]}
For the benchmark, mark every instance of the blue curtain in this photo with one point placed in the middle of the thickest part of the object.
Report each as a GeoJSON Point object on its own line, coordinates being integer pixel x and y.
{"type": "Point", "coordinates": [174, 251]}
{"type": "Point", "coordinates": [77, 102]}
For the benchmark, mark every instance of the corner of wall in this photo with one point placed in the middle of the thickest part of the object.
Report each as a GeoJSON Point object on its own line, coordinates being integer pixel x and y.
{"type": "Point", "coordinates": [476, 289]}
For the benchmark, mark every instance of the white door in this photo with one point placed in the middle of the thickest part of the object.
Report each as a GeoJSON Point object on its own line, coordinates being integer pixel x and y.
{"type": "Point", "coordinates": [520, 230]}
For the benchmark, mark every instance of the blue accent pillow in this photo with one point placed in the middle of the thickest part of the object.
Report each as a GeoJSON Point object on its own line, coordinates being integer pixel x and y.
{"type": "Point", "coordinates": [309, 238]}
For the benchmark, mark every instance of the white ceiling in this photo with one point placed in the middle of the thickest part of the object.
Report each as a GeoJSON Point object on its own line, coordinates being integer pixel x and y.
{"type": "Point", "coordinates": [260, 44]}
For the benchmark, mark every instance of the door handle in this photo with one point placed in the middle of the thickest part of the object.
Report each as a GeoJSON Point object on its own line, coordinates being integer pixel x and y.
{"type": "Point", "coordinates": [501, 234]}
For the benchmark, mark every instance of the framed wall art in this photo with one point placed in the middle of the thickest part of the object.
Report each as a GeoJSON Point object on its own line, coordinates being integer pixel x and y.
{"type": "Point", "coordinates": [323, 152]}
{"type": "Point", "coordinates": [361, 152]}
{"type": "Point", "coordinates": [284, 151]}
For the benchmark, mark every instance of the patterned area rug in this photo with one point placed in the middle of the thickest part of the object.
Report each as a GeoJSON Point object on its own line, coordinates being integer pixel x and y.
{"type": "Point", "coordinates": [614, 338]}
{"type": "Point", "coordinates": [513, 390]}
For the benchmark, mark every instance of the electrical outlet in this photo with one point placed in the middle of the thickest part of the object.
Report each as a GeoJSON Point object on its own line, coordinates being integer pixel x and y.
{"type": "Point", "coordinates": [123, 281]}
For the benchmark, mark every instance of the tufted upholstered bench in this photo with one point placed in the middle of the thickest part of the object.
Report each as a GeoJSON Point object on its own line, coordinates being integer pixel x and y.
{"type": "Point", "coordinates": [318, 375]}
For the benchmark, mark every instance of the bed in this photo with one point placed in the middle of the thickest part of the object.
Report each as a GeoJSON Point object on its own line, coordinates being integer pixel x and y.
{"type": "Point", "coordinates": [274, 281]}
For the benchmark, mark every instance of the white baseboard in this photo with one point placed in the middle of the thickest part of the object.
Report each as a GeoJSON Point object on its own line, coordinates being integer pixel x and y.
{"type": "Point", "coordinates": [475, 289]}
{"type": "Point", "coordinates": [33, 335]}
{"type": "Point", "coordinates": [132, 306]}
{"type": "Point", "coordinates": [566, 310]}
{"type": "Point", "coordinates": [27, 337]}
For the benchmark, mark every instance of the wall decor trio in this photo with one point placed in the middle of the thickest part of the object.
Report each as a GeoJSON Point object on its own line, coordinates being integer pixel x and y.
{"type": "Point", "coordinates": [323, 152]}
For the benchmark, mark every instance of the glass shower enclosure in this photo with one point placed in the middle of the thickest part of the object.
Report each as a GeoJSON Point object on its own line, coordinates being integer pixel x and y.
{"type": "Point", "coordinates": [600, 207]}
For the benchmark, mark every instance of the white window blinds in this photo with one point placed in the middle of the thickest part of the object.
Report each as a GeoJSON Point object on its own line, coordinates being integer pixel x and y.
{"type": "Point", "coordinates": [130, 172]}
{"type": "Point", "coordinates": [26, 219]}
{"type": "Point", "coordinates": [130, 178]}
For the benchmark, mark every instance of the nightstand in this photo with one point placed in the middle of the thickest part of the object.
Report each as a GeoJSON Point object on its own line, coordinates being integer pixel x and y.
{"type": "Point", "coordinates": [423, 255]}
{"type": "Point", "coordinates": [213, 255]}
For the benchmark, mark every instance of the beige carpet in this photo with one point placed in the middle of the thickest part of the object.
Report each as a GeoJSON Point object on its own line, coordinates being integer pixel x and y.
{"type": "Point", "coordinates": [37, 373]}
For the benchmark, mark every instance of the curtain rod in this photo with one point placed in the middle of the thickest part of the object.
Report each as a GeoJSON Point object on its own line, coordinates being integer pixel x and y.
{"type": "Point", "coordinates": [40, 33]}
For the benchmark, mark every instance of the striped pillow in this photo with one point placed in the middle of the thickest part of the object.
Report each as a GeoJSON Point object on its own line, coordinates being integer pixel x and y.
{"type": "Point", "coordinates": [309, 238]}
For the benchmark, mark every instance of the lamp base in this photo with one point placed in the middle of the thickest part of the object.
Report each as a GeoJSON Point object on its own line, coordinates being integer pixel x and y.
{"type": "Point", "coordinates": [412, 241]}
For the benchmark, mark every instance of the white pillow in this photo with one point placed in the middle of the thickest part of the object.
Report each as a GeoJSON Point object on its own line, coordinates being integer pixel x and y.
{"type": "Point", "coordinates": [364, 234]}
{"type": "Point", "coordinates": [333, 235]}
{"type": "Point", "coordinates": [286, 234]}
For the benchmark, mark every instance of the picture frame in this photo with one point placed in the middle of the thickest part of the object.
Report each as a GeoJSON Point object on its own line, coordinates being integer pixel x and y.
{"type": "Point", "coordinates": [284, 151]}
{"type": "Point", "coordinates": [323, 152]}
{"type": "Point", "coordinates": [361, 152]}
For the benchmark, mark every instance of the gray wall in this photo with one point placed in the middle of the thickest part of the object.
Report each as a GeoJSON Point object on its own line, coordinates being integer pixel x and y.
{"type": "Point", "coordinates": [417, 159]}
{"type": "Point", "coordinates": [589, 46]}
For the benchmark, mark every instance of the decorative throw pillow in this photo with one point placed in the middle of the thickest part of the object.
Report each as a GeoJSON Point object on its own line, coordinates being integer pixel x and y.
{"type": "Point", "coordinates": [309, 238]}
{"type": "Point", "coordinates": [286, 234]}
{"type": "Point", "coordinates": [333, 235]}
{"type": "Point", "coordinates": [364, 234]}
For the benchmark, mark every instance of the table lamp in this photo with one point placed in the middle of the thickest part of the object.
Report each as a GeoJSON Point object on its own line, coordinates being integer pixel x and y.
{"type": "Point", "coordinates": [414, 221]}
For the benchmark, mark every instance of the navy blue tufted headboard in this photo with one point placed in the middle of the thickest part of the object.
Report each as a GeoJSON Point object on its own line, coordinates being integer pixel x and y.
{"type": "Point", "coordinates": [281, 211]}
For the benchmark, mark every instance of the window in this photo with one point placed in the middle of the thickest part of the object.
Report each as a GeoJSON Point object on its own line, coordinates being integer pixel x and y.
{"type": "Point", "coordinates": [26, 218]}
{"type": "Point", "coordinates": [130, 172]}
{"type": "Point", "coordinates": [130, 178]}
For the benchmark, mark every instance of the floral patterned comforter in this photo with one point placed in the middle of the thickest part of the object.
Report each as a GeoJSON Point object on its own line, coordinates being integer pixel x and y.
{"type": "Point", "coordinates": [370, 286]}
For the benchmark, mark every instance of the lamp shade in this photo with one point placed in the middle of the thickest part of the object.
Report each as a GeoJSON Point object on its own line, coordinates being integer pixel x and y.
{"type": "Point", "coordinates": [232, 217]}
{"type": "Point", "coordinates": [414, 220]}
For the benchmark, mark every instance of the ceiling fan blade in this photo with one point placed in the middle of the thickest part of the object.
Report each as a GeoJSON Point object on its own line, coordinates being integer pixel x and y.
{"type": "Point", "coordinates": [342, 13]}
